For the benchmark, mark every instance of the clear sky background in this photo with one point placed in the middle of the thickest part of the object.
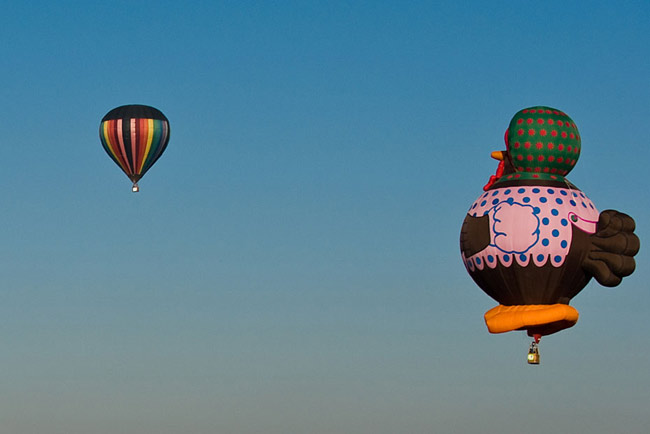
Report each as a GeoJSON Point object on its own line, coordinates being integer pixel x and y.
{"type": "Point", "coordinates": [291, 264]}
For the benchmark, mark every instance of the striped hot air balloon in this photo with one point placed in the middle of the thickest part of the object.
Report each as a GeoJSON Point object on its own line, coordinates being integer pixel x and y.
{"type": "Point", "coordinates": [134, 136]}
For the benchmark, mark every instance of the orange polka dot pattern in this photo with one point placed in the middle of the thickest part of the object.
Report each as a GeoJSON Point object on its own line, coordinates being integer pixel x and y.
{"type": "Point", "coordinates": [543, 140]}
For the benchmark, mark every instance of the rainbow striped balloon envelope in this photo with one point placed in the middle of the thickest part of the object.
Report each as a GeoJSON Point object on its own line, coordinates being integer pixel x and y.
{"type": "Point", "coordinates": [134, 136]}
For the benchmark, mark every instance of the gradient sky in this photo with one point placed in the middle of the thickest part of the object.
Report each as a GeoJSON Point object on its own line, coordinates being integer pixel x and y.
{"type": "Point", "coordinates": [291, 264]}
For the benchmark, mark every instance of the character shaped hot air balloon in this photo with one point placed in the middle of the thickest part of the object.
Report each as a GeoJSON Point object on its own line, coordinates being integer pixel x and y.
{"type": "Point", "coordinates": [533, 240]}
{"type": "Point", "coordinates": [134, 136]}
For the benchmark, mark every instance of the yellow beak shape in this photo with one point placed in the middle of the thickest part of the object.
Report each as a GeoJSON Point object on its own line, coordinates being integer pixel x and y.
{"type": "Point", "coordinates": [498, 155]}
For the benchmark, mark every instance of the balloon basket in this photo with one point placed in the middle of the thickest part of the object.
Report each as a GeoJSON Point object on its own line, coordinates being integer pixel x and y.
{"type": "Point", "coordinates": [533, 354]}
{"type": "Point", "coordinates": [135, 188]}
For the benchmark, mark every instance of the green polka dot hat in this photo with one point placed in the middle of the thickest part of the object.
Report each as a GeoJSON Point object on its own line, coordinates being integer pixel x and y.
{"type": "Point", "coordinates": [543, 143]}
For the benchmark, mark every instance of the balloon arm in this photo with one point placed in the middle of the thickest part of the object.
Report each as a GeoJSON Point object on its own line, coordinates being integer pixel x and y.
{"type": "Point", "coordinates": [613, 246]}
{"type": "Point", "coordinates": [475, 234]}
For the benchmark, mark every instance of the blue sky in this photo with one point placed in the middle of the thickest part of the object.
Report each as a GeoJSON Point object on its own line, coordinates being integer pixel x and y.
{"type": "Point", "coordinates": [291, 264]}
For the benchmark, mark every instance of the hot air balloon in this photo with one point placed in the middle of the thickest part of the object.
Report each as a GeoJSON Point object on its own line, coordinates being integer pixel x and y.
{"type": "Point", "coordinates": [533, 240]}
{"type": "Point", "coordinates": [134, 136]}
